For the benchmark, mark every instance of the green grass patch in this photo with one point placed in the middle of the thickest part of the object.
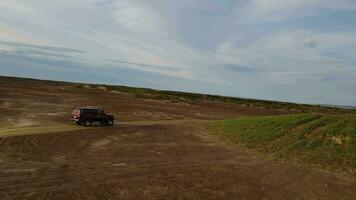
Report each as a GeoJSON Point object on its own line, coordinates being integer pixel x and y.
{"type": "Point", "coordinates": [324, 139]}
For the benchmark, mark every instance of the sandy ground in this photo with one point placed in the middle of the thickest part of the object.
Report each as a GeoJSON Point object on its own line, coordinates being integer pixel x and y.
{"type": "Point", "coordinates": [156, 150]}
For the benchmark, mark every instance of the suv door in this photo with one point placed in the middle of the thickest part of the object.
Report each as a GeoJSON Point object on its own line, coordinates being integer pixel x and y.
{"type": "Point", "coordinates": [89, 114]}
{"type": "Point", "coordinates": [100, 115]}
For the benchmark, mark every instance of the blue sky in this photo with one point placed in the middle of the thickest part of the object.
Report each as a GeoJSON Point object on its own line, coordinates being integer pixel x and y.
{"type": "Point", "coordinates": [289, 50]}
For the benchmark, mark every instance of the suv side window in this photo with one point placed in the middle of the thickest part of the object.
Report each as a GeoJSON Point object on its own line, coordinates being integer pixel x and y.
{"type": "Point", "coordinates": [89, 112]}
{"type": "Point", "coordinates": [93, 112]}
{"type": "Point", "coordinates": [85, 112]}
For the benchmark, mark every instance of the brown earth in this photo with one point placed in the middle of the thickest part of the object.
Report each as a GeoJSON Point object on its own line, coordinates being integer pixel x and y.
{"type": "Point", "coordinates": [157, 150]}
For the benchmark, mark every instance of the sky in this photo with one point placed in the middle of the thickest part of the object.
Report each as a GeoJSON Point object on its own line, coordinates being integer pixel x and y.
{"type": "Point", "coordinates": [300, 51]}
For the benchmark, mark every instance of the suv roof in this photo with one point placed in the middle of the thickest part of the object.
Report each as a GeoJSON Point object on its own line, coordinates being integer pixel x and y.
{"type": "Point", "coordinates": [89, 107]}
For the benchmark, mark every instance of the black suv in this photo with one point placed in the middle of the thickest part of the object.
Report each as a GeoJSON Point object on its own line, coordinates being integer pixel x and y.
{"type": "Point", "coordinates": [88, 115]}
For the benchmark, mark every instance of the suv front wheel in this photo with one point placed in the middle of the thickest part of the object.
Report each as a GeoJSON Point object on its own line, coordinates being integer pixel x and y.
{"type": "Point", "coordinates": [87, 123]}
{"type": "Point", "coordinates": [110, 122]}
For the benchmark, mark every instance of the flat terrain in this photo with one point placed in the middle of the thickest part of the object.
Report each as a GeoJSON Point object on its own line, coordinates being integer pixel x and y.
{"type": "Point", "coordinates": [157, 150]}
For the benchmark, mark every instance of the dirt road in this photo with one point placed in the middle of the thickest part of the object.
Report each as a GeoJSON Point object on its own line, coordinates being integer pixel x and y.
{"type": "Point", "coordinates": [153, 160]}
{"type": "Point", "coordinates": [11, 131]}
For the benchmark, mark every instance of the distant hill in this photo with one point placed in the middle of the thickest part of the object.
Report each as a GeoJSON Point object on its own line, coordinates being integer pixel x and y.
{"type": "Point", "coordinates": [187, 97]}
{"type": "Point", "coordinates": [338, 106]}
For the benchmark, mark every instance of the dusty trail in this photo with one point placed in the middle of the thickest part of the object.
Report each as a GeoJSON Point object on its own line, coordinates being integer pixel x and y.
{"type": "Point", "coordinates": [55, 128]}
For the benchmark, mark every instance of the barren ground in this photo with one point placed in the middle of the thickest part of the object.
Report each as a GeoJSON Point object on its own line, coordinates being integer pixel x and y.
{"type": "Point", "coordinates": [157, 150]}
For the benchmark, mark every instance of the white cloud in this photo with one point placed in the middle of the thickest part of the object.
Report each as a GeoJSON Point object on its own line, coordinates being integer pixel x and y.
{"type": "Point", "coordinates": [17, 6]}
{"type": "Point", "coordinates": [267, 11]}
{"type": "Point", "coordinates": [261, 8]}
{"type": "Point", "coordinates": [13, 35]}
{"type": "Point", "coordinates": [6, 49]}
{"type": "Point", "coordinates": [290, 53]}
{"type": "Point", "coordinates": [138, 18]}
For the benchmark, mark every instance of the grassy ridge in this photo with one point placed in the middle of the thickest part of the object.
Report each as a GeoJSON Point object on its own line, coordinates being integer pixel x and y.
{"type": "Point", "coordinates": [187, 97]}
{"type": "Point", "coordinates": [328, 140]}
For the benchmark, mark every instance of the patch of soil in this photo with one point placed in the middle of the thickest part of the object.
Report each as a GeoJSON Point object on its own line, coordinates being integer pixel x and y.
{"type": "Point", "coordinates": [154, 161]}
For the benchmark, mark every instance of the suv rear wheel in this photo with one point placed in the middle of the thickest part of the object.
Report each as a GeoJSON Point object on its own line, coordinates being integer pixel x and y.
{"type": "Point", "coordinates": [87, 123]}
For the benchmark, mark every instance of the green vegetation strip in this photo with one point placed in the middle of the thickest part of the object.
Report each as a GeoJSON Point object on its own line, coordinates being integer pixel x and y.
{"type": "Point", "coordinates": [324, 139]}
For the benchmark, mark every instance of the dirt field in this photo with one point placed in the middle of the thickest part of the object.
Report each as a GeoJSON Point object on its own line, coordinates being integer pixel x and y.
{"type": "Point", "coordinates": [157, 150]}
